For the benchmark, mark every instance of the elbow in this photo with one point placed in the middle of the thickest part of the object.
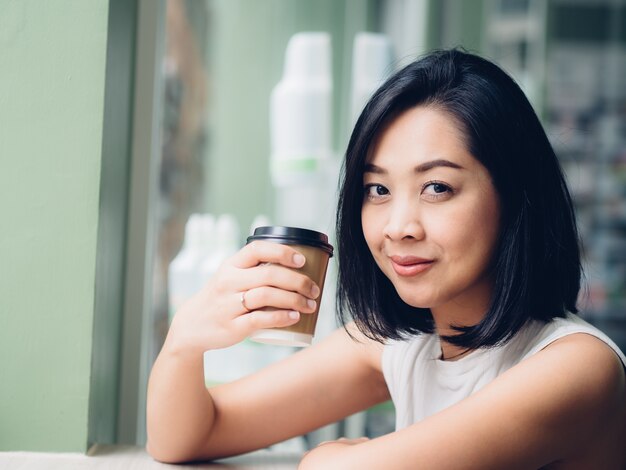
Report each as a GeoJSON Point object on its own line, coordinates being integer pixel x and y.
{"type": "Point", "coordinates": [171, 447]}
{"type": "Point", "coordinates": [169, 456]}
{"type": "Point", "coordinates": [169, 444]}
{"type": "Point", "coordinates": [160, 455]}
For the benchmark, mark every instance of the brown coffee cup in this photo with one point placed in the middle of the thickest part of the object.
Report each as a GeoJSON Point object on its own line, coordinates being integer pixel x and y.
{"type": "Point", "coordinates": [317, 251]}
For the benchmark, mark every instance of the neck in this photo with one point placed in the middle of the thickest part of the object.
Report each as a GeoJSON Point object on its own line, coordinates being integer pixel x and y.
{"type": "Point", "coordinates": [446, 318]}
{"type": "Point", "coordinates": [450, 352]}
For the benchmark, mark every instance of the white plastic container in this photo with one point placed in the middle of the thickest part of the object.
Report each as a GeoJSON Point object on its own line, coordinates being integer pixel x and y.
{"type": "Point", "coordinates": [371, 64]}
{"type": "Point", "coordinates": [301, 162]}
{"type": "Point", "coordinates": [226, 241]}
{"type": "Point", "coordinates": [183, 270]}
{"type": "Point", "coordinates": [301, 110]}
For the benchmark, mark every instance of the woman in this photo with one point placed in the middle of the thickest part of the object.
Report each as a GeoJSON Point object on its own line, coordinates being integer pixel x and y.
{"type": "Point", "coordinates": [459, 263]}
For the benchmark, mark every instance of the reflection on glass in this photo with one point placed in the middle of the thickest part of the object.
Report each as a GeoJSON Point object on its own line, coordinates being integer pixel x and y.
{"type": "Point", "coordinates": [185, 78]}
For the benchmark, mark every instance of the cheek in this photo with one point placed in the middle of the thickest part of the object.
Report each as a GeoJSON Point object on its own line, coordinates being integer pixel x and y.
{"type": "Point", "coordinates": [369, 225]}
{"type": "Point", "coordinates": [486, 226]}
{"type": "Point", "coordinates": [454, 238]}
{"type": "Point", "coordinates": [486, 223]}
{"type": "Point", "coordinates": [466, 232]}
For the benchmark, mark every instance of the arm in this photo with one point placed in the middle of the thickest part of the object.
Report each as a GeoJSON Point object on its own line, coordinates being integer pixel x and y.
{"type": "Point", "coordinates": [314, 387]}
{"type": "Point", "coordinates": [545, 409]}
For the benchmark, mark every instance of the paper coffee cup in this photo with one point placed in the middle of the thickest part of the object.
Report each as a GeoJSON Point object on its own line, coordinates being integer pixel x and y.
{"type": "Point", "coordinates": [317, 251]}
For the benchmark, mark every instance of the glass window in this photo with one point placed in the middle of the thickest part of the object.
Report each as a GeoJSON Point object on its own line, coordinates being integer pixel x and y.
{"type": "Point", "coordinates": [223, 59]}
{"type": "Point", "coordinates": [221, 62]}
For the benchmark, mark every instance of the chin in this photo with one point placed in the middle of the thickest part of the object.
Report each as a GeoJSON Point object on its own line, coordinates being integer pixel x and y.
{"type": "Point", "coordinates": [417, 302]}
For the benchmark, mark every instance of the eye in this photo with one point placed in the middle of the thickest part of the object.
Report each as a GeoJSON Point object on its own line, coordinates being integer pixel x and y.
{"type": "Point", "coordinates": [375, 191]}
{"type": "Point", "coordinates": [436, 190]}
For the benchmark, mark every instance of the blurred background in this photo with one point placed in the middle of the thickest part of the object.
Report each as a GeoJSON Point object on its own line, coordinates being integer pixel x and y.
{"type": "Point", "coordinates": [223, 61]}
{"type": "Point", "coordinates": [238, 113]}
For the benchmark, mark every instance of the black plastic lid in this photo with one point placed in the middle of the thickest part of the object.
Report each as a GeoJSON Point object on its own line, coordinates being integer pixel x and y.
{"type": "Point", "coordinates": [292, 236]}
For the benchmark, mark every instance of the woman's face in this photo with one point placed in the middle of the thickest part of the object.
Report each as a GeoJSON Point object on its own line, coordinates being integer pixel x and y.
{"type": "Point", "coordinates": [430, 213]}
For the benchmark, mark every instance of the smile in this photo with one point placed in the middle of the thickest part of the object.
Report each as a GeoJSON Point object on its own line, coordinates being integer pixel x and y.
{"type": "Point", "coordinates": [407, 266]}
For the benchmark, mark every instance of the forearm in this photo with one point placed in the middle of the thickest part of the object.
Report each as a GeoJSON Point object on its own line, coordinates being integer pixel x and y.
{"type": "Point", "coordinates": [180, 412]}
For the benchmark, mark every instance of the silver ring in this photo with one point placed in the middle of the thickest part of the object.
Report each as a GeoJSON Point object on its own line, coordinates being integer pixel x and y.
{"type": "Point", "coordinates": [242, 299]}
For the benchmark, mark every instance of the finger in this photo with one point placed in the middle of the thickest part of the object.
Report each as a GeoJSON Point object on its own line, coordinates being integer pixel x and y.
{"type": "Point", "coordinates": [356, 440]}
{"type": "Point", "coordinates": [261, 297]}
{"type": "Point", "coordinates": [259, 319]}
{"type": "Point", "coordinates": [332, 441]}
{"type": "Point", "coordinates": [259, 252]}
{"type": "Point", "coordinates": [285, 278]}
{"type": "Point", "coordinates": [272, 275]}
{"type": "Point", "coordinates": [244, 302]}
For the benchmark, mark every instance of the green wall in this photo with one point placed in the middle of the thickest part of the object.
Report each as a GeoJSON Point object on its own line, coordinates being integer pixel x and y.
{"type": "Point", "coordinates": [52, 102]}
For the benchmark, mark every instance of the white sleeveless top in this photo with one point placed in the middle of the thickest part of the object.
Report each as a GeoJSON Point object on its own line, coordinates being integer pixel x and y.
{"type": "Point", "coordinates": [421, 384]}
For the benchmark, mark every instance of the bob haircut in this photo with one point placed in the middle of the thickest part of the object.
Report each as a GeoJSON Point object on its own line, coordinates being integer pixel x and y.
{"type": "Point", "coordinates": [536, 266]}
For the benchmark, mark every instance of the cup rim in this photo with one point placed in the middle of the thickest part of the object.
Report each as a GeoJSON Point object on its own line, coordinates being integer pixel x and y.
{"type": "Point", "coordinates": [292, 236]}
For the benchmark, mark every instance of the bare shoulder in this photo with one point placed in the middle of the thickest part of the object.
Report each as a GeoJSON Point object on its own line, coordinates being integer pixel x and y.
{"type": "Point", "coordinates": [588, 363]}
{"type": "Point", "coordinates": [589, 400]}
{"type": "Point", "coordinates": [577, 380]}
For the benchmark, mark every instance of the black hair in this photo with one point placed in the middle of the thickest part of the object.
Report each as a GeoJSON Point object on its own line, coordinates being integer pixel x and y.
{"type": "Point", "coordinates": [536, 266]}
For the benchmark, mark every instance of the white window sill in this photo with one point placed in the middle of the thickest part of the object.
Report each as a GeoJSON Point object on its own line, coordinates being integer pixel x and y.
{"type": "Point", "coordinates": [136, 458]}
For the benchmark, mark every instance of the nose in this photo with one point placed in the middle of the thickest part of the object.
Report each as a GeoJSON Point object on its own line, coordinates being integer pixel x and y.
{"type": "Point", "coordinates": [403, 223]}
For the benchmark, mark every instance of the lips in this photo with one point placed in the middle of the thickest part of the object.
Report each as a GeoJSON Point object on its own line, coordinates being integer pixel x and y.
{"type": "Point", "coordinates": [410, 265]}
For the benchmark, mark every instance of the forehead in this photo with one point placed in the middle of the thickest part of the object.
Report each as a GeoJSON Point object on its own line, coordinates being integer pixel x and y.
{"type": "Point", "coordinates": [423, 133]}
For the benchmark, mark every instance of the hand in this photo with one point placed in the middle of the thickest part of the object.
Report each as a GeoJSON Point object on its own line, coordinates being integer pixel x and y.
{"type": "Point", "coordinates": [275, 296]}
{"type": "Point", "coordinates": [326, 454]}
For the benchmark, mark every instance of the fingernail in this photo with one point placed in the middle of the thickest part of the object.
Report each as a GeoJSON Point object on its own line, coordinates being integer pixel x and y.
{"type": "Point", "coordinates": [311, 303]}
{"type": "Point", "coordinates": [315, 291]}
{"type": "Point", "coordinates": [299, 259]}
{"type": "Point", "coordinates": [294, 315]}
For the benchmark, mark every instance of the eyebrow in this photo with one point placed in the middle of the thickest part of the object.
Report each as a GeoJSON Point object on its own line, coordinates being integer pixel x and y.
{"type": "Point", "coordinates": [371, 168]}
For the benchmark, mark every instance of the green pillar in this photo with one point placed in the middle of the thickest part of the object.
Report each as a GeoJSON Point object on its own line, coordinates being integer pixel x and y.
{"type": "Point", "coordinates": [62, 205]}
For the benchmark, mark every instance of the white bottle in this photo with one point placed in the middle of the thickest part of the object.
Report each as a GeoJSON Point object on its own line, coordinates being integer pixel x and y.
{"type": "Point", "coordinates": [301, 133]}
{"type": "Point", "coordinates": [208, 244]}
{"type": "Point", "coordinates": [260, 220]}
{"type": "Point", "coordinates": [371, 64]}
{"type": "Point", "coordinates": [182, 272]}
{"type": "Point", "coordinates": [226, 242]}
{"type": "Point", "coordinates": [223, 365]}
{"type": "Point", "coordinates": [301, 109]}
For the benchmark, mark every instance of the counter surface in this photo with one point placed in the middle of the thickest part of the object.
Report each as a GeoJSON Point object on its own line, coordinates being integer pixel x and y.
{"type": "Point", "coordinates": [136, 458]}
